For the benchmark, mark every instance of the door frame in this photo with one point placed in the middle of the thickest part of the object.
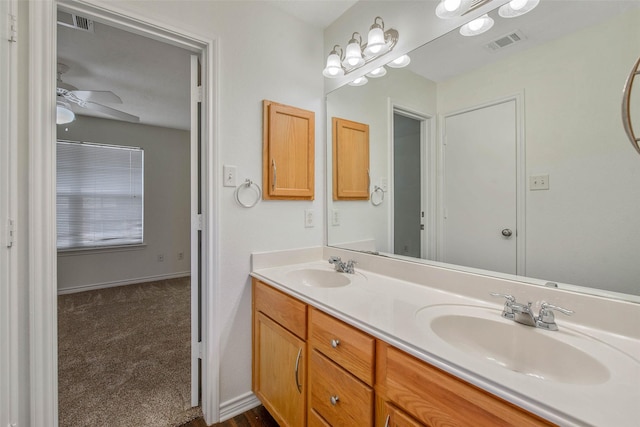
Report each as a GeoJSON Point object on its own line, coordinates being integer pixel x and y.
{"type": "Point", "coordinates": [427, 176]}
{"type": "Point", "coordinates": [42, 198]}
{"type": "Point", "coordinates": [520, 176]}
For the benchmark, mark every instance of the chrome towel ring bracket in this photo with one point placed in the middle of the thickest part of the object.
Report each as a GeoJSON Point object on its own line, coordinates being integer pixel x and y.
{"type": "Point", "coordinates": [248, 184]}
{"type": "Point", "coordinates": [377, 196]}
{"type": "Point", "coordinates": [626, 105]}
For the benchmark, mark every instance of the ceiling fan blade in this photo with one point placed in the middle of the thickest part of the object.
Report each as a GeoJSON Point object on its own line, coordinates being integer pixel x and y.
{"type": "Point", "coordinates": [99, 96]}
{"type": "Point", "coordinates": [121, 115]}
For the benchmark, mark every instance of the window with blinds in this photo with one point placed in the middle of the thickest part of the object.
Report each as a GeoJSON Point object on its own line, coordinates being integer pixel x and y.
{"type": "Point", "coordinates": [99, 195]}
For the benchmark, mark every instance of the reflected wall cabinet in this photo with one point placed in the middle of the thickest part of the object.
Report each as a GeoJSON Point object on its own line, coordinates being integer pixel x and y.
{"type": "Point", "coordinates": [351, 178]}
{"type": "Point", "coordinates": [288, 153]}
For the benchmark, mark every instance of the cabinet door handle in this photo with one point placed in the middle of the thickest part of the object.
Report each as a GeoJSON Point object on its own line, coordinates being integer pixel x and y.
{"type": "Point", "coordinates": [275, 175]}
{"type": "Point", "coordinates": [335, 343]}
{"type": "Point", "coordinates": [386, 421]}
{"type": "Point", "coordinates": [298, 385]}
{"type": "Point", "coordinates": [334, 400]}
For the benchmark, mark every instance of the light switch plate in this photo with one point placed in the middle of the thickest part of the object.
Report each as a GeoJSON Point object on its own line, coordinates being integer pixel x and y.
{"type": "Point", "coordinates": [229, 176]}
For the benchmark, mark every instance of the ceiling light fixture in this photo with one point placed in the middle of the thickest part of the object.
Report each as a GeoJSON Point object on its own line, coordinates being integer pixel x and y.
{"type": "Point", "coordinates": [64, 114]}
{"type": "Point", "coordinates": [477, 26]}
{"type": "Point", "coordinates": [379, 43]}
{"type": "Point", "coordinates": [517, 8]}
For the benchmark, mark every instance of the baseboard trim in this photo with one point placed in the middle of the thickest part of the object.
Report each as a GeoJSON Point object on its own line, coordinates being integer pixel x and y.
{"type": "Point", "coordinates": [104, 285]}
{"type": "Point", "coordinates": [238, 405]}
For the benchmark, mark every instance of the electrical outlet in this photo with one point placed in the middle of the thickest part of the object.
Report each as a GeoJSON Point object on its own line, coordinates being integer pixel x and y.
{"type": "Point", "coordinates": [309, 218]}
{"type": "Point", "coordinates": [180, 256]}
{"type": "Point", "coordinates": [335, 217]}
{"type": "Point", "coordinates": [539, 182]}
{"type": "Point", "coordinates": [160, 257]}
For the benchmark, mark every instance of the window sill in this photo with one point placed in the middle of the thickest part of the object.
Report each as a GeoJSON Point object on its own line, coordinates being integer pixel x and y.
{"type": "Point", "coordinates": [108, 249]}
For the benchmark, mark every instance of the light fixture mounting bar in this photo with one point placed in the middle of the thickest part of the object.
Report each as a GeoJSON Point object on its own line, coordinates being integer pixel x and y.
{"type": "Point", "coordinates": [475, 5]}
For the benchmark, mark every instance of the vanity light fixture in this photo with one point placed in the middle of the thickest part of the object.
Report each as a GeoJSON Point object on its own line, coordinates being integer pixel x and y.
{"type": "Point", "coordinates": [477, 26]}
{"type": "Point", "coordinates": [360, 81]}
{"type": "Point", "coordinates": [517, 8]}
{"type": "Point", "coordinates": [447, 9]}
{"type": "Point", "coordinates": [378, 72]}
{"type": "Point", "coordinates": [379, 43]}
{"type": "Point", "coordinates": [400, 62]}
{"type": "Point", "coordinates": [64, 114]}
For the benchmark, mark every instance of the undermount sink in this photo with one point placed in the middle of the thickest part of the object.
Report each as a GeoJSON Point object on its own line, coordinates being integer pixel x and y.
{"type": "Point", "coordinates": [559, 356]}
{"type": "Point", "coordinates": [319, 278]}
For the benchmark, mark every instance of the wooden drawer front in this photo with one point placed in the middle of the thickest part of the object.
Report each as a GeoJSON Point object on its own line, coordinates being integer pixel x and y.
{"type": "Point", "coordinates": [355, 400]}
{"type": "Point", "coordinates": [437, 398]}
{"type": "Point", "coordinates": [354, 350]}
{"type": "Point", "coordinates": [387, 415]}
{"type": "Point", "coordinates": [286, 310]}
{"type": "Point", "coordinates": [315, 420]}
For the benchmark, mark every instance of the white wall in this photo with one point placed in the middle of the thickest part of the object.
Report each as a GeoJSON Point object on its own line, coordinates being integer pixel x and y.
{"type": "Point", "coordinates": [584, 229]}
{"type": "Point", "coordinates": [166, 208]}
{"type": "Point", "coordinates": [370, 104]}
{"type": "Point", "coordinates": [264, 54]}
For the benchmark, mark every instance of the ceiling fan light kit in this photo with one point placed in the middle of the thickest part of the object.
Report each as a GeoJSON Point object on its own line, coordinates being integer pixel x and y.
{"type": "Point", "coordinates": [88, 99]}
{"type": "Point", "coordinates": [379, 43]}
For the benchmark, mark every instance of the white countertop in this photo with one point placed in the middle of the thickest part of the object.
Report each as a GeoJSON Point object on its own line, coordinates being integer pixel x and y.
{"type": "Point", "coordinates": [386, 308]}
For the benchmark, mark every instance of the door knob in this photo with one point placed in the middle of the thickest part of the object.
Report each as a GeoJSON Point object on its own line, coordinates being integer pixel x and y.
{"type": "Point", "coordinates": [507, 232]}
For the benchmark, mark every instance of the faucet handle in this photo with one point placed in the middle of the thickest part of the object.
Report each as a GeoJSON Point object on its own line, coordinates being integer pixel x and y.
{"type": "Point", "coordinates": [334, 259]}
{"type": "Point", "coordinates": [507, 312]}
{"type": "Point", "coordinates": [546, 319]}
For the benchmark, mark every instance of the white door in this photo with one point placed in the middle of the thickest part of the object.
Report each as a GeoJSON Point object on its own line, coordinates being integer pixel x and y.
{"type": "Point", "coordinates": [479, 190]}
{"type": "Point", "coordinates": [196, 228]}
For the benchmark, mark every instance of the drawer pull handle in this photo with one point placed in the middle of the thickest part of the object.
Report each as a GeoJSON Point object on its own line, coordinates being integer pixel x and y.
{"type": "Point", "coordinates": [334, 400]}
{"type": "Point", "coordinates": [298, 385]}
{"type": "Point", "coordinates": [335, 343]}
{"type": "Point", "coordinates": [386, 422]}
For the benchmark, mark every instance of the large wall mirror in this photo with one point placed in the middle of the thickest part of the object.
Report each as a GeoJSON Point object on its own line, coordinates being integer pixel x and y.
{"type": "Point", "coordinates": [505, 153]}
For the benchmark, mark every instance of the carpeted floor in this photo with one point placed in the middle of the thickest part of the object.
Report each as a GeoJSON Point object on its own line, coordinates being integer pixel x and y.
{"type": "Point", "coordinates": [124, 356]}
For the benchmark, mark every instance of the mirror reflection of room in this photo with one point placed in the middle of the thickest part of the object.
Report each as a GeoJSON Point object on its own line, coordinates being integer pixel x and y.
{"type": "Point", "coordinates": [524, 167]}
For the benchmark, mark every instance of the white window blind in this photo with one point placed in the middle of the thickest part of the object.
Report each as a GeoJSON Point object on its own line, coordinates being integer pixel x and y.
{"type": "Point", "coordinates": [99, 195]}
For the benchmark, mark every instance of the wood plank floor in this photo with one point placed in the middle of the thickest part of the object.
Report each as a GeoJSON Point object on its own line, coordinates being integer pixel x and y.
{"type": "Point", "coordinates": [257, 417]}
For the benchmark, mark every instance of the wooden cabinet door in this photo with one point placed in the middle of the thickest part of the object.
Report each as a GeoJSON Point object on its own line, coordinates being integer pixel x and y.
{"type": "Point", "coordinates": [351, 178]}
{"type": "Point", "coordinates": [288, 152]}
{"type": "Point", "coordinates": [279, 371]}
{"type": "Point", "coordinates": [388, 415]}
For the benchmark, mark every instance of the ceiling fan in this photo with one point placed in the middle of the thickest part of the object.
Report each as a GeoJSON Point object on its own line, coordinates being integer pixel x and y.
{"type": "Point", "coordinates": [91, 99]}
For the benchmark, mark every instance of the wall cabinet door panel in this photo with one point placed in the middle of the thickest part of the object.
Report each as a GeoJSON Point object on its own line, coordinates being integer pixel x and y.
{"type": "Point", "coordinates": [351, 179]}
{"type": "Point", "coordinates": [288, 152]}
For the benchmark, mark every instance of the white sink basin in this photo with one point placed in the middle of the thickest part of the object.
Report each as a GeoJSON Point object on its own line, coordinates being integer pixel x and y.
{"type": "Point", "coordinates": [561, 356]}
{"type": "Point", "coordinates": [319, 278]}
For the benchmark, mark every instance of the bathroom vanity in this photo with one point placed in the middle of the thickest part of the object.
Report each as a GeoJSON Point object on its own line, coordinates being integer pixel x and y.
{"type": "Point", "coordinates": [383, 347]}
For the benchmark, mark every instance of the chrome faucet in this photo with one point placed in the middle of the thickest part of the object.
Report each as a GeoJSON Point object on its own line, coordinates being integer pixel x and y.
{"type": "Point", "coordinates": [522, 313]}
{"type": "Point", "coordinates": [342, 267]}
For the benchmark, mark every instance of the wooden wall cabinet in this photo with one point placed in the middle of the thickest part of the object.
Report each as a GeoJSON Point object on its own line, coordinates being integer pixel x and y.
{"type": "Point", "coordinates": [288, 152]}
{"type": "Point", "coordinates": [351, 176]}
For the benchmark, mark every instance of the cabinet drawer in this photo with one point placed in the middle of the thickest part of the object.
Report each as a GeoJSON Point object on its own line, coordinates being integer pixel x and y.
{"type": "Point", "coordinates": [354, 405]}
{"type": "Point", "coordinates": [315, 420]}
{"type": "Point", "coordinates": [437, 398]}
{"type": "Point", "coordinates": [387, 415]}
{"type": "Point", "coordinates": [350, 348]}
{"type": "Point", "coordinates": [285, 310]}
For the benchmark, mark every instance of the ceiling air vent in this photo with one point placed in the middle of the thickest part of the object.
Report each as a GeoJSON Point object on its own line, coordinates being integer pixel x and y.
{"type": "Point", "coordinates": [75, 21]}
{"type": "Point", "coordinates": [506, 40]}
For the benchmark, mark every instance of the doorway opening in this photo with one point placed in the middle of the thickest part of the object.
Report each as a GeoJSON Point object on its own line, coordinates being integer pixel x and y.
{"type": "Point", "coordinates": [142, 273]}
{"type": "Point", "coordinates": [411, 184]}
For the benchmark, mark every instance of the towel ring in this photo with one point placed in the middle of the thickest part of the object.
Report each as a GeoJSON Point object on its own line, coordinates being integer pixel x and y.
{"type": "Point", "coordinates": [248, 184]}
{"type": "Point", "coordinates": [380, 191]}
